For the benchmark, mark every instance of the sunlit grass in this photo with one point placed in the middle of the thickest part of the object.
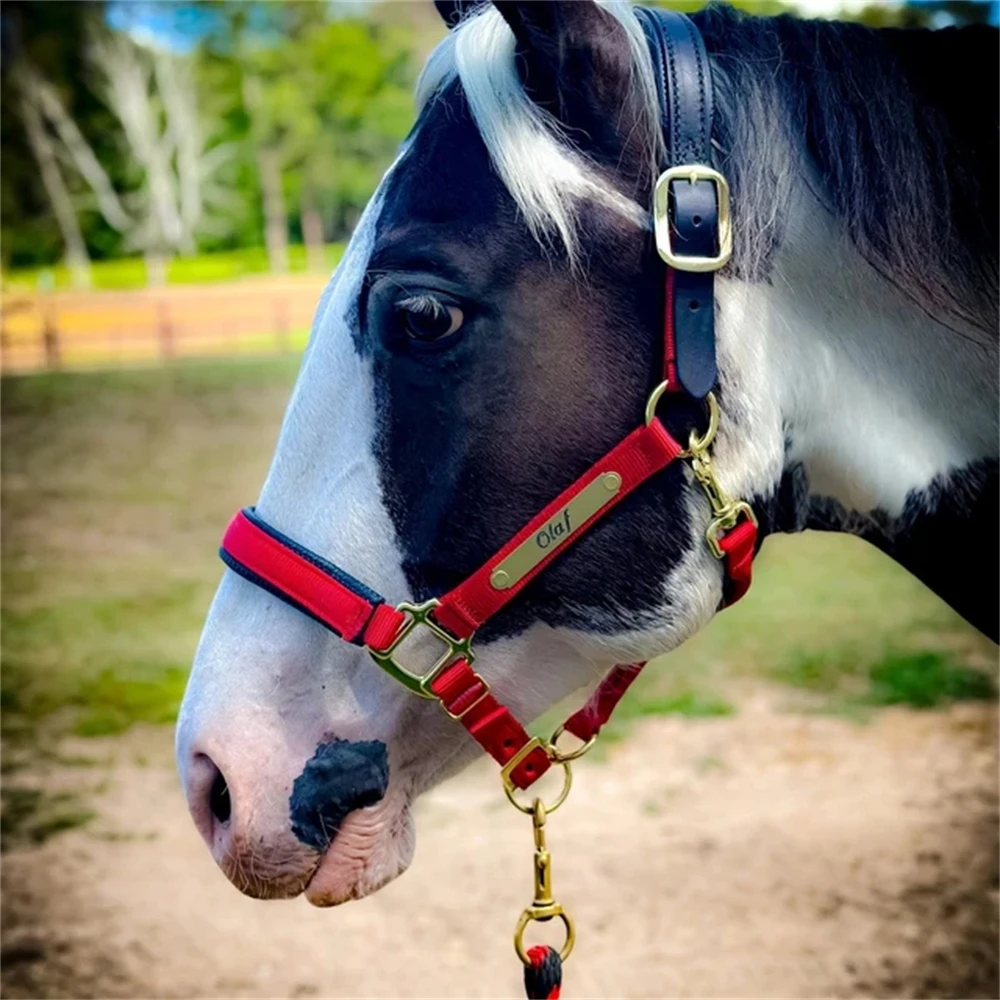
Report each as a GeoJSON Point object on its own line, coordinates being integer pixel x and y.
{"type": "Point", "coordinates": [130, 272]}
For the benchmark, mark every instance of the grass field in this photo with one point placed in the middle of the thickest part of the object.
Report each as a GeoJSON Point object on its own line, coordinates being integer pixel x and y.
{"type": "Point", "coordinates": [117, 487]}
{"type": "Point", "coordinates": [130, 272]}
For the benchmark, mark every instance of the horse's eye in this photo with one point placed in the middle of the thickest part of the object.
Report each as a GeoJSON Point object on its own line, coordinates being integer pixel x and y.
{"type": "Point", "coordinates": [427, 319]}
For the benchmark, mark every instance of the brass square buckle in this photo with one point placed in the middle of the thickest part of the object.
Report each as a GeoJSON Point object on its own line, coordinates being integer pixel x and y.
{"type": "Point", "coordinates": [692, 173]}
{"type": "Point", "coordinates": [419, 683]}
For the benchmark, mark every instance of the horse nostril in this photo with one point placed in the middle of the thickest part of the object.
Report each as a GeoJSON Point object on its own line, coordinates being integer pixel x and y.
{"type": "Point", "coordinates": [219, 800]}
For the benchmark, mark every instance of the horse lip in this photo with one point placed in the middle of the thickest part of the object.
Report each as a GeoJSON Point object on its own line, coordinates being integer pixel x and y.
{"type": "Point", "coordinates": [345, 870]}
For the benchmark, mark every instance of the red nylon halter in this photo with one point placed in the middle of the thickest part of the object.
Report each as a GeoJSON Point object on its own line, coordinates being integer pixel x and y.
{"type": "Point", "coordinates": [318, 588]}
{"type": "Point", "coordinates": [321, 590]}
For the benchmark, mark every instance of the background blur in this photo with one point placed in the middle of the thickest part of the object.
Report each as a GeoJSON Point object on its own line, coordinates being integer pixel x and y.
{"type": "Point", "coordinates": [202, 163]}
{"type": "Point", "coordinates": [804, 802]}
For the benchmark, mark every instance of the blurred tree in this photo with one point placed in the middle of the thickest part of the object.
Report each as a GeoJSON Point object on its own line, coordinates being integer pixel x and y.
{"type": "Point", "coordinates": [162, 156]}
{"type": "Point", "coordinates": [38, 201]}
{"type": "Point", "coordinates": [211, 124]}
{"type": "Point", "coordinates": [324, 103]}
{"type": "Point", "coordinates": [340, 103]}
{"type": "Point", "coordinates": [154, 98]}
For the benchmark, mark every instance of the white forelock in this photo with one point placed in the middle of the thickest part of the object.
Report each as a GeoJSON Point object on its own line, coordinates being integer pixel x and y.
{"type": "Point", "coordinates": [546, 176]}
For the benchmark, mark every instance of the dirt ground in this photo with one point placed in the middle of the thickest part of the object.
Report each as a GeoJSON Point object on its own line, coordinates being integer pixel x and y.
{"type": "Point", "coordinates": [763, 855]}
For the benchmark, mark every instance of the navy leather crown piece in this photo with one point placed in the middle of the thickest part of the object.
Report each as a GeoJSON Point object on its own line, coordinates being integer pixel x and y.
{"type": "Point", "coordinates": [694, 206]}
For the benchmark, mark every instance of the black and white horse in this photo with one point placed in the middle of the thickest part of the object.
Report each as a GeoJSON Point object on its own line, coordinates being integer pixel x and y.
{"type": "Point", "coordinates": [495, 326]}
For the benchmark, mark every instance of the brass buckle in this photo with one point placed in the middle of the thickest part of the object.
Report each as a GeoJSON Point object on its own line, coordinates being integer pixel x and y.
{"type": "Point", "coordinates": [692, 173]}
{"type": "Point", "coordinates": [419, 684]}
{"type": "Point", "coordinates": [458, 716]}
{"type": "Point", "coordinates": [511, 789]}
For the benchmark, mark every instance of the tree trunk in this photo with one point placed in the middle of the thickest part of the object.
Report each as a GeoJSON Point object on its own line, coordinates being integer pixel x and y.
{"type": "Point", "coordinates": [77, 259]}
{"type": "Point", "coordinates": [312, 235]}
{"type": "Point", "coordinates": [269, 171]}
{"type": "Point", "coordinates": [156, 269]}
{"type": "Point", "coordinates": [275, 221]}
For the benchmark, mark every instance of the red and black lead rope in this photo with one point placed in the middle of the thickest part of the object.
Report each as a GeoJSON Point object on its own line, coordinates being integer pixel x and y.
{"type": "Point", "coordinates": [543, 977]}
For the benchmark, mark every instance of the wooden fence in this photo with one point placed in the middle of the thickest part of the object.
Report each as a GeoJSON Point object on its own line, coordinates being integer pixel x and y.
{"type": "Point", "coordinates": [40, 331]}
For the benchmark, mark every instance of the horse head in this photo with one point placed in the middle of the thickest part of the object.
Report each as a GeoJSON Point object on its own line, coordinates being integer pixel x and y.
{"type": "Point", "coordinates": [494, 327]}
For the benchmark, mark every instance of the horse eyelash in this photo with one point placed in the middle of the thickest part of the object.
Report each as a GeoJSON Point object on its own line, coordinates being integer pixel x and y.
{"type": "Point", "coordinates": [425, 305]}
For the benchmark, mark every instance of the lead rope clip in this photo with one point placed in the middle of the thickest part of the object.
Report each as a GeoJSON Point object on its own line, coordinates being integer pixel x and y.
{"type": "Point", "coordinates": [542, 963]}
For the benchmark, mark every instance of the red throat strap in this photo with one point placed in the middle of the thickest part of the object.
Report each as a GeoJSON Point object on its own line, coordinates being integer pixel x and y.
{"type": "Point", "coordinates": [738, 546]}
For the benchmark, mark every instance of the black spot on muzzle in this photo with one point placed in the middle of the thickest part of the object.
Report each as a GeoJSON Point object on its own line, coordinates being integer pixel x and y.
{"type": "Point", "coordinates": [340, 777]}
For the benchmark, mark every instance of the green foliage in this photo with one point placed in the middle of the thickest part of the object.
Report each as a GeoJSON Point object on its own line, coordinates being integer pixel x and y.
{"type": "Point", "coordinates": [824, 672]}
{"type": "Point", "coordinates": [94, 658]}
{"type": "Point", "coordinates": [328, 89]}
{"type": "Point", "coordinates": [692, 704]}
{"type": "Point", "coordinates": [116, 699]}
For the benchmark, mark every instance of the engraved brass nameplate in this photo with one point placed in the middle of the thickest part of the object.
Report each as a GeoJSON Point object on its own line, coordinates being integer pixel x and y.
{"type": "Point", "coordinates": [556, 531]}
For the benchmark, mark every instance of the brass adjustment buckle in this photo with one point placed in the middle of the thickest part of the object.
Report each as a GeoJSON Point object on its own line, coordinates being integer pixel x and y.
{"type": "Point", "coordinates": [692, 173]}
{"type": "Point", "coordinates": [508, 769]}
{"type": "Point", "coordinates": [543, 906]}
{"type": "Point", "coordinates": [418, 615]}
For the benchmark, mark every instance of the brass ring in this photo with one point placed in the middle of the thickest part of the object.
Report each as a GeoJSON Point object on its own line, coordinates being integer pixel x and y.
{"type": "Point", "coordinates": [695, 443]}
{"type": "Point", "coordinates": [563, 757]}
{"type": "Point", "coordinates": [511, 792]}
{"type": "Point", "coordinates": [528, 917]}
{"type": "Point", "coordinates": [654, 399]}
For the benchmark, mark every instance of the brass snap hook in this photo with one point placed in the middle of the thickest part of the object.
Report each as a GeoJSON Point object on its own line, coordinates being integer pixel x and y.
{"type": "Point", "coordinates": [543, 907]}
{"type": "Point", "coordinates": [698, 445]}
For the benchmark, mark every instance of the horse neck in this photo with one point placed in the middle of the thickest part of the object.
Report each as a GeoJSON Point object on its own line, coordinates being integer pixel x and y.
{"type": "Point", "coordinates": [853, 410]}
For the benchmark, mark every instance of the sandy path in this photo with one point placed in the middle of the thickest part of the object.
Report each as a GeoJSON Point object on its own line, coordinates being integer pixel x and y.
{"type": "Point", "coordinates": [766, 855]}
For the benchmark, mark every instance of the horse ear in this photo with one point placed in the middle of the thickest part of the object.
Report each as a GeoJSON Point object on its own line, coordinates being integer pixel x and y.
{"type": "Point", "coordinates": [574, 59]}
{"type": "Point", "coordinates": [452, 11]}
